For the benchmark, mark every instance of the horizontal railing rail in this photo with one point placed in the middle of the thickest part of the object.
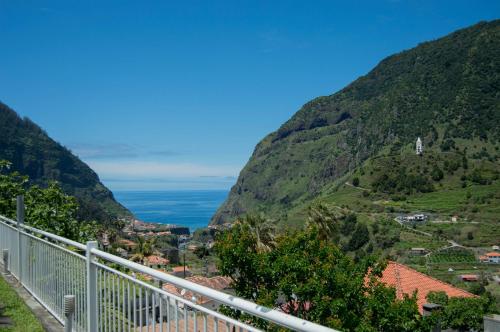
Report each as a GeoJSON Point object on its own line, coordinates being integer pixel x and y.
{"type": "Point", "coordinates": [111, 293]}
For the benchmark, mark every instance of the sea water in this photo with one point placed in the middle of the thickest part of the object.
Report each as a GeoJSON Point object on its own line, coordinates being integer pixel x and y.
{"type": "Point", "coordinates": [191, 208]}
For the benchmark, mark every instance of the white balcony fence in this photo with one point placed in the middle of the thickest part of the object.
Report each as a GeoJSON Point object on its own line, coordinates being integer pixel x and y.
{"type": "Point", "coordinates": [108, 298]}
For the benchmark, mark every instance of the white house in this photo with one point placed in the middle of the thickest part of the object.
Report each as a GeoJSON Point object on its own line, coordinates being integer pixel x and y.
{"type": "Point", "coordinates": [419, 147]}
{"type": "Point", "coordinates": [493, 257]}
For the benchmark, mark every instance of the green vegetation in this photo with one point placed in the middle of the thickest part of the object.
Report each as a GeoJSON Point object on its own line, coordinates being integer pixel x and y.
{"type": "Point", "coordinates": [304, 272]}
{"type": "Point", "coordinates": [444, 91]}
{"type": "Point", "coordinates": [49, 209]}
{"type": "Point", "coordinates": [462, 314]}
{"type": "Point", "coordinates": [452, 255]}
{"type": "Point", "coordinates": [33, 153]}
{"type": "Point", "coordinates": [16, 309]}
{"type": "Point", "coordinates": [308, 276]}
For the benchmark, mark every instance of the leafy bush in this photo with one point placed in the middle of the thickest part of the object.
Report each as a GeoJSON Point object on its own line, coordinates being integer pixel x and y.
{"type": "Point", "coordinates": [355, 181]}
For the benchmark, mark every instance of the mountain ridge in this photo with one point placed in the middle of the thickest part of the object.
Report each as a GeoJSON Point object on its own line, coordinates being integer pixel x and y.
{"type": "Point", "coordinates": [33, 153]}
{"type": "Point", "coordinates": [443, 90]}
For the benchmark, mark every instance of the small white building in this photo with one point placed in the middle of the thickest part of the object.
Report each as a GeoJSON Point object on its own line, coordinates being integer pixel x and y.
{"type": "Point", "coordinates": [419, 147]}
{"type": "Point", "coordinates": [415, 218]}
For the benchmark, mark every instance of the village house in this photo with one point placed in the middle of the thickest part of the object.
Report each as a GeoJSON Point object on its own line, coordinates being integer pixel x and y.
{"type": "Point", "coordinates": [155, 261]}
{"type": "Point", "coordinates": [414, 218]}
{"type": "Point", "coordinates": [178, 271]}
{"type": "Point", "coordinates": [483, 259]}
{"type": "Point", "coordinates": [418, 251]}
{"type": "Point", "coordinates": [493, 257]}
{"type": "Point", "coordinates": [219, 283]}
{"type": "Point", "coordinates": [127, 244]}
{"type": "Point", "coordinates": [469, 277]}
{"type": "Point", "coordinates": [407, 280]}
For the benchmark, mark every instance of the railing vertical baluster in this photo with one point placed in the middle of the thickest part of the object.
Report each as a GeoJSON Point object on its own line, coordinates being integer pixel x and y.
{"type": "Point", "coordinates": [153, 305]}
{"type": "Point", "coordinates": [91, 288]}
{"type": "Point", "coordinates": [140, 307]}
{"type": "Point", "coordinates": [168, 314]}
{"type": "Point", "coordinates": [186, 318]}
{"type": "Point", "coordinates": [160, 297]}
{"type": "Point", "coordinates": [147, 308]}
{"type": "Point", "coordinates": [176, 315]}
{"type": "Point", "coordinates": [113, 302]}
{"type": "Point", "coordinates": [129, 305]}
{"type": "Point", "coordinates": [124, 312]}
{"type": "Point", "coordinates": [134, 308]}
{"type": "Point", "coordinates": [20, 221]}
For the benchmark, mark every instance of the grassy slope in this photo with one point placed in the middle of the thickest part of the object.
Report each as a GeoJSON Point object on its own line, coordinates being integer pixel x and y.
{"type": "Point", "coordinates": [16, 309]}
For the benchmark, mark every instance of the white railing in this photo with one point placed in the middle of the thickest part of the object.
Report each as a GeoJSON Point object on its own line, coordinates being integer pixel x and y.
{"type": "Point", "coordinates": [108, 296]}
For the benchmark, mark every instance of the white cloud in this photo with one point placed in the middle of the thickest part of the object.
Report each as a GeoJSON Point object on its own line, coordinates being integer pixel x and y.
{"type": "Point", "coordinates": [159, 170]}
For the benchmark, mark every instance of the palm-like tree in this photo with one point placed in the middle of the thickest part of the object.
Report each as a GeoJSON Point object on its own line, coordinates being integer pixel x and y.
{"type": "Point", "coordinates": [325, 220]}
{"type": "Point", "coordinates": [144, 249]}
{"type": "Point", "coordinates": [263, 230]}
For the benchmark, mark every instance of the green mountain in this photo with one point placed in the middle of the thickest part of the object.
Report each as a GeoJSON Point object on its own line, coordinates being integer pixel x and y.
{"type": "Point", "coordinates": [33, 153]}
{"type": "Point", "coordinates": [446, 91]}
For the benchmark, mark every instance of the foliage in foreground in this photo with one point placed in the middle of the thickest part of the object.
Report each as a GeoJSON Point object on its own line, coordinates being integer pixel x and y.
{"type": "Point", "coordinates": [462, 314]}
{"type": "Point", "coordinates": [305, 274]}
{"type": "Point", "coordinates": [314, 280]}
{"type": "Point", "coordinates": [48, 209]}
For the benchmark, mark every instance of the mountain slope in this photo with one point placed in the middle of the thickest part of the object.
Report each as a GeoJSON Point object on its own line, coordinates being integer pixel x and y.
{"type": "Point", "coordinates": [33, 153]}
{"type": "Point", "coordinates": [446, 91]}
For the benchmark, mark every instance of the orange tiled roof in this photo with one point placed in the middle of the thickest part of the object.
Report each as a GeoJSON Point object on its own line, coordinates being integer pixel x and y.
{"type": "Point", "coordinates": [406, 280]}
{"type": "Point", "coordinates": [127, 243]}
{"type": "Point", "coordinates": [157, 260]}
{"type": "Point", "coordinates": [179, 269]}
{"type": "Point", "coordinates": [218, 283]}
{"type": "Point", "coordinates": [493, 254]}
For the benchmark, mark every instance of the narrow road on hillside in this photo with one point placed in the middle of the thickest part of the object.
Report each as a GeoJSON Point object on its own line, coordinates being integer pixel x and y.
{"type": "Point", "coordinates": [357, 187]}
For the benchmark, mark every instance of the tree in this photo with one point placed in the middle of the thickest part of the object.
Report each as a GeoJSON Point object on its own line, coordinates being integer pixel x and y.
{"type": "Point", "coordinates": [144, 248]}
{"type": "Point", "coordinates": [359, 237]}
{"type": "Point", "coordinates": [11, 185]}
{"type": "Point", "coordinates": [462, 313]}
{"type": "Point", "coordinates": [48, 209]}
{"type": "Point", "coordinates": [262, 229]}
{"type": "Point", "coordinates": [355, 181]}
{"type": "Point", "coordinates": [349, 224]}
{"type": "Point", "coordinates": [325, 220]}
{"type": "Point", "coordinates": [437, 174]}
{"type": "Point", "coordinates": [52, 210]}
{"type": "Point", "coordinates": [313, 279]}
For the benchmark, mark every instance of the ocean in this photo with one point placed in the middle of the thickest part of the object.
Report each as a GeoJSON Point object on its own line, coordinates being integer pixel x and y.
{"type": "Point", "coordinates": [191, 208]}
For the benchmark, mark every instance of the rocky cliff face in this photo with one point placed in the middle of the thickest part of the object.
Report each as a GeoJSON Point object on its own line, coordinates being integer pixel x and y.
{"type": "Point", "coordinates": [444, 91]}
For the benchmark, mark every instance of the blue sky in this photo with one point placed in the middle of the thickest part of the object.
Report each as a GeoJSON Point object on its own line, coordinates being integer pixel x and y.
{"type": "Point", "coordinates": [175, 95]}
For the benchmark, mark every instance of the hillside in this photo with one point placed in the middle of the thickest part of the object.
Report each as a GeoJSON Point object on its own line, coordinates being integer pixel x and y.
{"type": "Point", "coordinates": [446, 91]}
{"type": "Point", "coordinates": [33, 153]}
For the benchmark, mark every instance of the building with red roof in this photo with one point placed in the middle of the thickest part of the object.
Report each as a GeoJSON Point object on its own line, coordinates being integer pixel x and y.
{"type": "Point", "coordinates": [493, 257]}
{"type": "Point", "coordinates": [407, 280]}
{"type": "Point", "coordinates": [156, 261]}
{"type": "Point", "coordinates": [218, 283]}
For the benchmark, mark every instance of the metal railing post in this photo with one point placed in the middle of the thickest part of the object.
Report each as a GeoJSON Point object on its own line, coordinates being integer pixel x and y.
{"type": "Point", "coordinates": [69, 311]}
{"type": "Point", "coordinates": [91, 288]}
{"type": "Point", "coordinates": [20, 220]}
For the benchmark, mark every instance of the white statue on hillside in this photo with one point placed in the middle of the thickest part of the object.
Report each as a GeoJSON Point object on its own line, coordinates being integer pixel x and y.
{"type": "Point", "coordinates": [420, 147]}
